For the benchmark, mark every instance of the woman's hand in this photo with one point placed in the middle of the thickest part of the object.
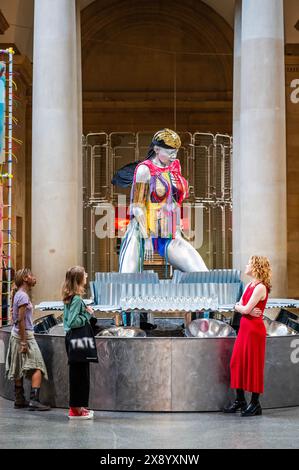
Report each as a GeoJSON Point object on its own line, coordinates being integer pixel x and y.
{"type": "Point", "coordinates": [148, 250]}
{"type": "Point", "coordinates": [90, 310]}
{"type": "Point", "coordinates": [259, 293]}
{"type": "Point", "coordinates": [256, 312]}
{"type": "Point", "coordinates": [24, 348]}
{"type": "Point", "coordinates": [93, 321]}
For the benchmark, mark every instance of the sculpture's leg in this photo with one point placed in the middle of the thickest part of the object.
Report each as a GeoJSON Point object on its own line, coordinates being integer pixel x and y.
{"type": "Point", "coordinates": [181, 255]}
{"type": "Point", "coordinates": [131, 250]}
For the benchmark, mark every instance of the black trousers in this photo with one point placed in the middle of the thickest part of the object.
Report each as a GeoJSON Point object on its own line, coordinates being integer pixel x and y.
{"type": "Point", "coordinates": [79, 384]}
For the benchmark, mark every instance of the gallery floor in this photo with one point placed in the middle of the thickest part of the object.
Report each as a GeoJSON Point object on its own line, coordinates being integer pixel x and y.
{"type": "Point", "coordinates": [114, 430]}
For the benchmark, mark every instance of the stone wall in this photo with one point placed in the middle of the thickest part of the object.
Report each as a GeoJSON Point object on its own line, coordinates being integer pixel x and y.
{"type": "Point", "coordinates": [292, 107]}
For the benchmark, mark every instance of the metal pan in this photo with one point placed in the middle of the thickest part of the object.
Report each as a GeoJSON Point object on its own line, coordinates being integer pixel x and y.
{"type": "Point", "coordinates": [57, 330]}
{"type": "Point", "coordinates": [284, 316]}
{"type": "Point", "coordinates": [276, 328]}
{"type": "Point", "coordinates": [267, 322]}
{"type": "Point", "coordinates": [209, 328]}
{"type": "Point", "coordinates": [212, 315]}
{"type": "Point", "coordinates": [42, 325]}
{"type": "Point", "coordinates": [122, 332]}
{"type": "Point", "coordinates": [294, 324]}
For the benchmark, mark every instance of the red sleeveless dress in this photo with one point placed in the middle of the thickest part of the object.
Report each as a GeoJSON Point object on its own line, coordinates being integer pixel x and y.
{"type": "Point", "coordinates": [248, 358]}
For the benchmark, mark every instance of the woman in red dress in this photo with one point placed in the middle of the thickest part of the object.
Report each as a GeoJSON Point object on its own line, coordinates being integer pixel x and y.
{"type": "Point", "coordinates": [248, 358]}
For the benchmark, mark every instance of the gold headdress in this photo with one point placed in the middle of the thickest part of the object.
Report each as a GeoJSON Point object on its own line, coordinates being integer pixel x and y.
{"type": "Point", "coordinates": [169, 137]}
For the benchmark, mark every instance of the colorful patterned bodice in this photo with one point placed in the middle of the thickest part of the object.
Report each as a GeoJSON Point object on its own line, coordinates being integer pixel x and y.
{"type": "Point", "coordinates": [167, 190]}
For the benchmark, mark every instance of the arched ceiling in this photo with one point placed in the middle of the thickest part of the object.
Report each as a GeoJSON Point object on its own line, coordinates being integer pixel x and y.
{"type": "Point", "coordinates": [140, 38]}
{"type": "Point", "coordinates": [193, 17]}
{"type": "Point", "coordinates": [224, 8]}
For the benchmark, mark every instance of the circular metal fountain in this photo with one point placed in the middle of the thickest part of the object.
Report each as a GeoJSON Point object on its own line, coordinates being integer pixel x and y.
{"type": "Point", "coordinates": [164, 373]}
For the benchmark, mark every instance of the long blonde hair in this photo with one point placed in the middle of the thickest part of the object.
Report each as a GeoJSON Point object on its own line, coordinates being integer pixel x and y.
{"type": "Point", "coordinates": [73, 284]}
{"type": "Point", "coordinates": [261, 270]}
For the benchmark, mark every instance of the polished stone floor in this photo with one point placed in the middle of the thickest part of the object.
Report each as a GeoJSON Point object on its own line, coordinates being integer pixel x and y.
{"type": "Point", "coordinates": [113, 430]}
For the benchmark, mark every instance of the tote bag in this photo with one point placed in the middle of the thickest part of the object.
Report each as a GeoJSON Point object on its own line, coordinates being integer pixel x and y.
{"type": "Point", "coordinates": [81, 345]}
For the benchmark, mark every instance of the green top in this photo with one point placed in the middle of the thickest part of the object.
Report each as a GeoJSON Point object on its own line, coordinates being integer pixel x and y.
{"type": "Point", "coordinates": [75, 314]}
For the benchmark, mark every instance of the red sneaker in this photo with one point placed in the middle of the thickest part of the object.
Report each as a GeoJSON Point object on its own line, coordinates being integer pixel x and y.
{"type": "Point", "coordinates": [87, 411]}
{"type": "Point", "coordinates": [83, 413]}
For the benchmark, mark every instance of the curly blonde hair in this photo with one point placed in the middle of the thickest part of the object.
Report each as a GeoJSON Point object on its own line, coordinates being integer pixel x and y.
{"type": "Point", "coordinates": [261, 270]}
{"type": "Point", "coordinates": [73, 284]}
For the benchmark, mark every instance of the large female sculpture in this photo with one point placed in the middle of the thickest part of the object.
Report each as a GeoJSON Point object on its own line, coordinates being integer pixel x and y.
{"type": "Point", "coordinates": [157, 194]}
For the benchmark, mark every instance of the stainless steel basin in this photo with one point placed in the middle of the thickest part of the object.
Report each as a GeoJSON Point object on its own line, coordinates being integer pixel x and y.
{"type": "Point", "coordinates": [123, 332]}
{"type": "Point", "coordinates": [209, 328]}
{"type": "Point", "coordinates": [275, 328]}
{"type": "Point", "coordinates": [57, 330]}
{"type": "Point", "coordinates": [279, 329]}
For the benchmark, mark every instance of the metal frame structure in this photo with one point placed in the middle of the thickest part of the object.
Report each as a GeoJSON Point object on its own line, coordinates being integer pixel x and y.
{"type": "Point", "coordinates": [8, 146]}
{"type": "Point", "coordinates": [206, 161]}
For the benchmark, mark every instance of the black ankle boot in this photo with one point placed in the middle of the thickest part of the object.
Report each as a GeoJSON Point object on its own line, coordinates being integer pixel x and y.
{"type": "Point", "coordinates": [35, 404]}
{"type": "Point", "coordinates": [20, 401]}
{"type": "Point", "coordinates": [236, 406]}
{"type": "Point", "coordinates": [253, 409]}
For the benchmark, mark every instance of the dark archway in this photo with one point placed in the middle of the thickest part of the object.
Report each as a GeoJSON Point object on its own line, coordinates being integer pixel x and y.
{"type": "Point", "coordinates": [151, 64]}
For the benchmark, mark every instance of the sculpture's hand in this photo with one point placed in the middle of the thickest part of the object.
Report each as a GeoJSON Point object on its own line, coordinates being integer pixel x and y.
{"type": "Point", "coordinates": [148, 250]}
{"type": "Point", "coordinates": [140, 215]}
{"type": "Point", "coordinates": [178, 233]}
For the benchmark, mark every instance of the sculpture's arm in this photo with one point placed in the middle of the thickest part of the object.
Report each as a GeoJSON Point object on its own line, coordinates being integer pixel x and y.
{"type": "Point", "coordinates": [141, 193]}
{"type": "Point", "coordinates": [179, 233]}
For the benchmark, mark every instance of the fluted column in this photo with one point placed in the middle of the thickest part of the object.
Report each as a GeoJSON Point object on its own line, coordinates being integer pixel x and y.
{"type": "Point", "coordinates": [236, 134]}
{"type": "Point", "coordinates": [262, 165]}
{"type": "Point", "coordinates": [56, 186]}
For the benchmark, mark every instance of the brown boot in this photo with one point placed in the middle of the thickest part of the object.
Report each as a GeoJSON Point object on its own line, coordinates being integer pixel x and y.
{"type": "Point", "coordinates": [20, 401]}
{"type": "Point", "coordinates": [35, 404]}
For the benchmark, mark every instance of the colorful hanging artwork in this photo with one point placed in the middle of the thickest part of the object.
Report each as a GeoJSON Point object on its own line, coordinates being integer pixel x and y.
{"type": "Point", "coordinates": [7, 121]}
{"type": "Point", "coordinates": [2, 111]}
{"type": "Point", "coordinates": [1, 252]}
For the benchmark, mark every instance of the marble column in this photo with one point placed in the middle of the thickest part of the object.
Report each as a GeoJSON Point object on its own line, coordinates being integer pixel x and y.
{"type": "Point", "coordinates": [262, 164]}
{"type": "Point", "coordinates": [56, 135]}
{"type": "Point", "coordinates": [236, 133]}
